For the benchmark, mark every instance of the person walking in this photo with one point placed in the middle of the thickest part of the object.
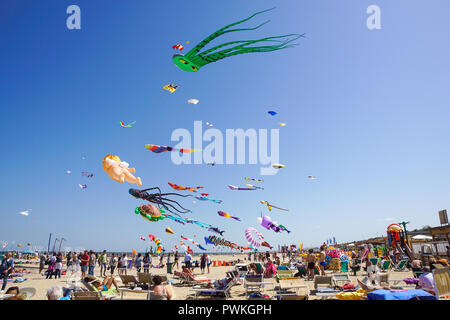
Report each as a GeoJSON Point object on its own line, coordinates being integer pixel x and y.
{"type": "Point", "coordinates": [203, 263]}
{"type": "Point", "coordinates": [208, 261]}
{"type": "Point", "coordinates": [138, 262]}
{"type": "Point", "coordinates": [92, 260]}
{"type": "Point", "coordinates": [58, 266]}
{"type": "Point", "coordinates": [146, 262]}
{"type": "Point", "coordinates": [175, 259]}
{"type": "Point", "coordinates": [102, 262]}
{"type": "Point", "coordinates": [6, 268]}
{"type": "Point", "coordinates": [84, 263]}
{"type": "Point", "coordinates": [113, 263]}
{"type": "Point", "coordinates": [41, 263]}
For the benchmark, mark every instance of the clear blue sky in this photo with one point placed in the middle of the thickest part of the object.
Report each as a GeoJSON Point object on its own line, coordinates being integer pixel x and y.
{"type": "Point", "coordinates": [367, 112]}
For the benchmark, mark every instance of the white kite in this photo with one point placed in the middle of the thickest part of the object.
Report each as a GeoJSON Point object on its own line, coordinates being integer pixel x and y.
{"type": "Point", "coordinates": [193, 101]}
{"type": "Point", "coordinates": [209, 124]}
{"type": "Point", "coordinates": [25, 213]}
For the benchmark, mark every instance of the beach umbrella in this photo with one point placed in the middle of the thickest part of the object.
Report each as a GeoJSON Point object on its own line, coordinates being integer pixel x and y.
{"type": "Point", "coordinates": [422, 237]}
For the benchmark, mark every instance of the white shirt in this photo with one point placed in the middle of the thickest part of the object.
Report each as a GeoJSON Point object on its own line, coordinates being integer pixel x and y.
{"type": "Point", "coordinates": [426, 281]}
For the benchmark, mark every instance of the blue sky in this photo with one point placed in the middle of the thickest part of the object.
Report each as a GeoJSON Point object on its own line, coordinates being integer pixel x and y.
{"type": "Point", "coordinates": [366, 111]}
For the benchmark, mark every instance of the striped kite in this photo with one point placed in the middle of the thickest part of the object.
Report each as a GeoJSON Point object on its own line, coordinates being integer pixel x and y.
{"type": "Point", "coordinates": [256, 187]}
{"type": "Point", "coordinates": [252, 179]}
{"type": "Point", "coordinates": [127, 125]}
{"type": "Point", "coordinates": [171, 87]}
{"type": "Point", "coordinates": [238, 188]}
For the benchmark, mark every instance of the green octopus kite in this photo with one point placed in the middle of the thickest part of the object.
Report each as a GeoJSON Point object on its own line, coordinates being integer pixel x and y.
{"type": "Point", "coordinates": [194, 60]}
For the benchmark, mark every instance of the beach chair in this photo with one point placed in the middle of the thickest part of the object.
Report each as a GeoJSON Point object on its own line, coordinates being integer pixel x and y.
{"type": "Point", "coordinates": [374, 261]}
{"type": "Point", "coordinates": [86, 295]}
{"type": "Point", "coordinates": [129, 281]}
{"type": "Point", "coordinates": [401, 265]}
{"type": "Point", "coordinates": [293, 283]}
{"type": "Point", "coordinates": [323, 280]}
{"type": "Point", "coordinates": [189, 279]}
{"type": "Point", "coordinates": [283, 267]}
{"type": "Point", "coordinates": [283, 274]}
{"type": "Point", "coordinates": [383, 278]}
{"type": "Point", "coordinates": [341, 277]}
{"type": "Point", "coordinates": [441, 282]}
{"type": "Point", "coordinates": [385, 265]}
{"type": "Point", "coordinates": [144, 278]}
{"type": "Point", "coordinates": [253, 283]}
{"type": "Point", "coordinates": [234, 275]}
{"type": "Point", "coordinates": [242, 269]}
{"type": "Point", "coordinates": [213, 292]}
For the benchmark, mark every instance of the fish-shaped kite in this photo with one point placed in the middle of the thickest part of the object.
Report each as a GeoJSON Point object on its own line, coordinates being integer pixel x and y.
{"type": "Point", "coordinates": [178, 47]}
{"type": "Point", "coordinates": [252, 179]}
{"type": "Point", "coordinates": [270, 206]}
{"type": "Point", "coordinates": [238, 188]}
{"type": "Point", "coordinates": [227, 215]}
{"type": "Point", "coordinates": [82, 186]}
{"type": "Point", "coordinates": [171, 87]}
{"type": "Point", "coordinates": [127, 125]}
{"type": "Point", "coordinates": [272, 113]}
{"type": "Point", "coordinates": [193, 101]}
{"type": "Point", "coordinates": [256, 187]}
{"type": "Point", "coordinates": [177, 187]}
{"type": "Point", "coordinates": [278, 166]}
{"type": "Point", "coordinates": [265, 244]}
{"type": "Point", "coordinates": [216, 230]}
{"type": "Point", "coordinates": [203, 198]}
{"type": "Point", "coordinates": [158, 149]}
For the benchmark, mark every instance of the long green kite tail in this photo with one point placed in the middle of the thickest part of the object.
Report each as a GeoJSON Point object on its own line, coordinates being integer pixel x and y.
{"type": "Point", "coordinates": [194, 59]}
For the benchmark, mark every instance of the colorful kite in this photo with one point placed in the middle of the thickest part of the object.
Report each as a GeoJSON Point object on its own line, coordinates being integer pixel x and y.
{"type": "Point", "coordinates": [118, 170]}
{"type": "Point", "coordinates": [270, 206]}
{"type": "Point", "coordinates": [216, 230]}
{"type": "Point", "coordinates": [177, 187]}
{"type": "Point", "coordinates": [207, 199]}
{"type": "Point", "coordinates": [251, 179]}
{"type": "Point", "coordinates": [127, 125]}
{"type": "Point", "coordinates": [158, 149]}
{"type": "Point", "coordinates": [278, 166]}
{"type": "Point", "coordinates": [160, 199]}
{"type": "Point", "coordinates": [267, 223]}
{"type": "Point", "coordinates": [256, 187]}
{"type": "Point", "coordinates": [171, 87]}
{"type": "Point", "coordinates": [226, 215]}
{"type": "Point", "coordinates": [255, 242]}
{"type": "Point", "coordinates": [178, 47]}
{"type": "Point", "coordinates": [157, 242]}
{"type": "Point", "coordinates": [169, 231]}
{"type": "Point", "coordinates": [142, 238]}
{"type": "Point", "coordinates": [265, 244]}
{"type": "Point", "coordinates": [212, 164]}
{"type": "Point", "coordinates": [272, 113]}
{"type": "Point", "coordinates": [195, 59]}
{"type": "Point", "coordinates": [193, 101]}
{"type": "Point", "coordinates": [238, 188]}
{"type": "Point", "coordinates": [312, 177]}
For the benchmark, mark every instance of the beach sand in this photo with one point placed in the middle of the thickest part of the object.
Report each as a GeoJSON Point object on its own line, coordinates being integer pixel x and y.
{"type": "Point", "coordinates": [41, 284]}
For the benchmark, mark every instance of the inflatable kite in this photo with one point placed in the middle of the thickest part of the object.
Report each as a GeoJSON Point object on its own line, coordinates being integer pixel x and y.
{"type": "Point", "coordinates": [207, 199]}
{"type": "Point", "coordinates": [171, 87]}
{"type": "Point", "coordinates": [238, 188]}
{"type": "Point", "coordinates": [267, 223]}
{"type": "Point", "coordinates": [169, 231]}
{"type": "Point", "coordinates": [194, 242]}
{"type": "Point", "coordinates": [160, 199]}
{"type": "Point", "coordinates": [19, 245]}
{"type": "Point", "coordinates": [252, 241]}
{"type": "Point", "coordinates": [256, 187]}
{"type": "Point", "coordinates": [150, 212]}
{"type": "Point", "coordinates": [193, 101]}
{"type": "Point", "coordinates": [177, 187]}
{"type": "Point", "coordinates": [4, 244]}
{"type": "Point", "coordinates": [119, 171]}
{"type": "Point", "coordinates": [216, 230]}
{"type": "Point", "coordinates": [157, 242]}
{"type": "Point", "coordinates": [127, 125]}
{"type": "Point", "coordinates": [222, 242]}
{"type": "Point", "coordinates": [265, 244]}
{"type": "Point", "coordinates": [270, 206]}
{"type": "Point", "coordinates": [158, 149]}
{"type": "Point", "coordinates": [195, 59]}
{"type": "Point", "coordinates": [272, 113]}
{"type": "Point", "coordinates": [226, 215]}
{"type": "Point", "coordinates": [278, 166]}
{"type": "Point", "coordinates": [252, 179]}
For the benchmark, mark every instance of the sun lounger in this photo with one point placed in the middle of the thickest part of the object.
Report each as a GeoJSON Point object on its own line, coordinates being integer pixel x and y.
{"type": "Point", "coordinates": [323, 280]}
{"type": "Point", "coordinates": [441, 282]}
{"type": "Point", "coordinates": [86, 295]}
{"type": "Point", "coordinates": [296, 284]}
{"type": "Point", "coordinates": [341, 277]}
{"type": "Point", "coordinates": [145, 278]}
{"type": "Point", "coordinates": [385, 265]}
{"type": "Point", "coordinates": [400, 266]}
{"type": "Point", "coordinates": [189, 279]}
{"type": "Point", "coordinates": [129, 280]}
{"type": "Point", "coordinates": [255, 283]}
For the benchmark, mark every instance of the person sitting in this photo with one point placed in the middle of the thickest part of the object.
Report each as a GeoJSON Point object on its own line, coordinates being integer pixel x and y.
{"type": "Point", "coordinates": [370, 283]}
{"type": "Point", "coordinates": [417, 265]}
{"type": "Point", "coordinates": [160, 291]}
{"type": "Point", "coordinates": [255, 269]}
{"type": "Point", "coordinates": [426, 281]}
{"type": "Point", "coordinates": [356, 266]}
{"type": "Point", "coordinates": [270, 271]}
{"type": "Point", "coordinates": [54, 293]}
{"type": "Point", "coordinates": [102, 286]}
{"type": "Point", "coordinates": [12, 290]}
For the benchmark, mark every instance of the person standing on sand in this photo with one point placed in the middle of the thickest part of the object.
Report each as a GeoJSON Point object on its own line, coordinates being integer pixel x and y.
{"type": "Point", "coordinates": [6, 268]}
{"type": "Point", "coordinates": [138, 262]}
{"type": "Point", "coordinates": [322, 261]}
{"type": "Point", "coordinates": [112, 263]}
{"type": "Point", "coordinates": [311, 260]}
{"type": "Point", "coordinates": [146, 262]}
{"type": "Point", "coordinates": [84, 263]}
{"type": "Point", "coordinates": [102, 262]}
{"type": "Point", "coordinates": [208, 261]}
{"type": "Point", "coordinates": [175, 259]}
{"type": "Point", "coordinates": [187, 260]}
{"type": "Point", "coordinates": [92, 259]}
{"type": "Point", "coordinates": [41, 263]}
{"type": "Point", "coordinates": [124, 264]}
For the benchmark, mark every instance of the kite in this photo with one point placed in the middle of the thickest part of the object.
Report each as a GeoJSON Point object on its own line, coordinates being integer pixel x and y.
{"type": "Point", "coordinates": [160, 199]}
{"type": "Point", "coordinates": [177, 187]}
{"type": "Point", "coordinates": [207, 199]}
{"type": "Point", "coordinates": [205, 194]}
{"type": "Point", "coordinates": [127, 125]}
{"type": "Point", "coordinates": [4, 244]}
{"type": "Point", "coordinates": [256, 187]}
{"type": "Point", "coordinates": [278, 166]}
{"type": "Point", "coordinates": [212, 164]}
{"type": "Point", "coordinates": [68, 172]}
{"type": "Point", "coordinates": [267, 223]}
{"type": "Point", "coordinates": [83, 158]}
{"type": "Point", "coordinates": [150, 212]}
{"type": "Point", "coordinates": [29, 244]}
{"type": "Point", "coordinates": [158, 149]}
{"type": "Point", "coordinates": [25, 213]}
{"type": "Point", "coordinates": [171, 87]}
{"type": "Point", "coordinates": [82, 186]}
{"type": "Point", "coordinates": [194, 242]}
{"type": "Point", "coordinates": [118, 170]}
{"type": "Point", "coordinates": [282, 124]}
{"type": "Point", "coordinates": [216, 230]}
{"type": "Point", "coordinates": [195, 59]}
{"type": "Point", "coordinates": [251, 179]}
{"type": "Point", "coordinates": [270, 206]}
{"type": "Point", "coordinates": [209, 124]}
{"type": "Point", "coordinates": [193, 101]}
{"type": "Point", "coordinates": [142, 238]}
{"type": "Point", "coordinates": [272, 113]}
{"type": "Point", "coordinates": [265, 244]}
{"type": "Point", "coordinates": [312, 177]}
{"type": "Point", "coordinates": [237, 188]}
{"type": "Point", "coordinates": [19, 245]}
{"type": "Point", "coordinates": [169, 231]}
{"type": "Point", "coordinates": [252, 241]}
{"type": "Point", "coordinates": [221, 242]}
{"type": "Point", "coordinates": [87, 174]}
{"type": "Point", "coordinates": [157, 242]}
{"type": "Point", "coordinates": [178, 47]}
{"type": "Point", "coordinates": [226, 215]}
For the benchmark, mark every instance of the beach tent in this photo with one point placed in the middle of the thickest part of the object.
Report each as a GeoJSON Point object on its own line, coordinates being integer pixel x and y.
{"type": "Point", "coordinates": [422, 237]}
